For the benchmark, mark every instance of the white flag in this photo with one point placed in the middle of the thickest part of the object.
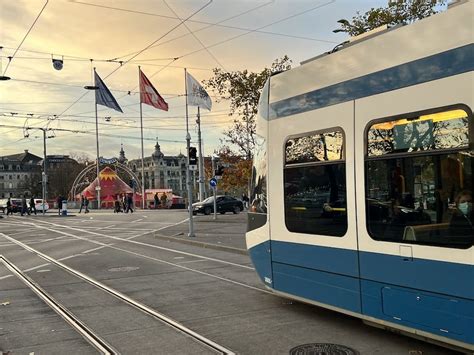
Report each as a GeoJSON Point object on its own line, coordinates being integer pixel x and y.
{"type": "Point", "coordinates": [197, 96]}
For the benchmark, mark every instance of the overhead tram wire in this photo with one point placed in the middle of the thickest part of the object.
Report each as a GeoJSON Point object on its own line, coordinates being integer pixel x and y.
{"type": "Point", "coordinates": [168, 127]}
{"type": "Point", "coordinates": [259, 28]}
{"type": "Point", "coordinates": [141, 61]}
{"type": "Point", "coordinates": [144, 49]}
{"type": "Point", "coordinates": [89, 133]}
{"type": "Point", "coordinates": [195, 37]}
{"type": "Point", "coordinates": [24, 38]}
{"type": "Point", "coordinates": [210, 24]}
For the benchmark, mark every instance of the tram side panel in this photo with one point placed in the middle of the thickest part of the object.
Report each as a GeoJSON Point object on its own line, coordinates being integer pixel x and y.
{"type": "Point", "coordinates": [416, 274]}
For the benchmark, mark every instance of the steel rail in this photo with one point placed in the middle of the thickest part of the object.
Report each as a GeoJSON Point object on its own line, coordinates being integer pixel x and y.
{"type": "Point", "coordinates": [88, 334]}
{"type": "Point", "coordinates": [138, 305]}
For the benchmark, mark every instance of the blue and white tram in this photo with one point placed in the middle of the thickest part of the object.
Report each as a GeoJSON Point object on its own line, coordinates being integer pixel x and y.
{"type": "Point", "coordinates": [363, 180]}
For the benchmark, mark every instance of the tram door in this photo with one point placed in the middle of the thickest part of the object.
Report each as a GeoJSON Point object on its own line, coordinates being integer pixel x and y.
{"type": "Point", "coordinates": [312, 207]}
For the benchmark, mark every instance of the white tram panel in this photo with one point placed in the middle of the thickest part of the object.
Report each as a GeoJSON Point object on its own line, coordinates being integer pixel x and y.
{"type": "Point", "coordinates": [379, 52]}
{"type": "Point", "coordinates": [337, 116]}
{"type": "Point", "coordinates": [457, 89]}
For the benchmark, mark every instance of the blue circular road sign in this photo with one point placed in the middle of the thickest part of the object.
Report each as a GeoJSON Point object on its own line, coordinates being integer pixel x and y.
{"type": "Point", "coordinates": [213, 182]}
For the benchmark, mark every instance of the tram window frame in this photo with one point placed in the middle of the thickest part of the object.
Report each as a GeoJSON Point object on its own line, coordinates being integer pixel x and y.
{"type": "Point", "coordinates": [440, 232]}
{"type": "Point", "coordinates": [301, 219]}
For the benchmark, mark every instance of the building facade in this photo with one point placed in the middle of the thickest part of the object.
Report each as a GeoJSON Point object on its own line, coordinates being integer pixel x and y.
{"type": "Point", "coordinates": [20, 174]}
{"type": "Point", "coordinates": [161, 172]}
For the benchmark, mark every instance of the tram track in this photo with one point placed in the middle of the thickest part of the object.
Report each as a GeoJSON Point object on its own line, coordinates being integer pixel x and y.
{"type": "Point", "coordinates": [154, 259]}
{"type": "Point", "coordinates": [87, 333]}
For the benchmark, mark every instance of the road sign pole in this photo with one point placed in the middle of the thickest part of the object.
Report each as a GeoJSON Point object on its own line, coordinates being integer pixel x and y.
{"type": "Point", "coordinates": [214, 189]}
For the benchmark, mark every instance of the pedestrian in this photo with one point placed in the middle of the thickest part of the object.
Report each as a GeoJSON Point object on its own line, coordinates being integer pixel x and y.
{"type": "Point", "coordinates": [82, 203]}
{"type": "Point", "coordinates": [163, 199]}
{"type": "Point", "coordinates": [117, 208]}
{"type": "Point", "coordinates": [32, 205]}
{"type": "Point", "coordinates": [124, 203]}
{"type": "Point", "coordinates": [9, 207]}
{"type": "Point", "coordinates": [24, 206]}
{"type": "Point", "coordinates": [59, 201]}
{"type": "Point", "coordinates": [245, 200]}
{"type": "Point", "coordinates": [157, 200]}
{"type": "Point", "coordinates": [129, 204]}
{"type": "Point", "coordinates": [86, 204]}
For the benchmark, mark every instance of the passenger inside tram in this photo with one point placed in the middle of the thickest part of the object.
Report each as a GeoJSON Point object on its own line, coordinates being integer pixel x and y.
{"type": "Point", "coordinates": [462, 220]}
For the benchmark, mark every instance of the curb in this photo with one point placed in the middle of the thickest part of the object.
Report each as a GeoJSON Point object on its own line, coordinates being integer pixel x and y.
{"type": "Point", "coordinates": [202, 244]}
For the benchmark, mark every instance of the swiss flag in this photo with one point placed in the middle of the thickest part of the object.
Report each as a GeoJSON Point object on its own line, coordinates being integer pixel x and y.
{"type": "Point", "coordinates": [149, 95]}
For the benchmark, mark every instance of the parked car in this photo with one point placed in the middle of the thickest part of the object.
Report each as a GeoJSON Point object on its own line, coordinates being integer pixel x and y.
{"type": "Point", "coordinates": [3, 205]}
{"type": "Point", "coordinates": [223, 204]}
{"type": "Point", "coordinates": [39, 205]}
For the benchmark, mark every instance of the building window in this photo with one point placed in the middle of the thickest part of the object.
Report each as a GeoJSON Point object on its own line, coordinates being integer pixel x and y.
{"type": "Point", "coordinates": [419, 174]}
{"type": "Point", "coordinates": [315, 184]}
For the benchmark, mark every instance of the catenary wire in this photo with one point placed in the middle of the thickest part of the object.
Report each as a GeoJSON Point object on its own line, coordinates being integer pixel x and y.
{"type": "Point", "coordinates": [141, 51]}
{"type": "Point", "coordinates": [26, 35]}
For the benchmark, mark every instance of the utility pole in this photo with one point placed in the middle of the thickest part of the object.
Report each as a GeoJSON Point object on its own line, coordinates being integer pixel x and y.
{"type": "Point", "coordinates": [44, 176]}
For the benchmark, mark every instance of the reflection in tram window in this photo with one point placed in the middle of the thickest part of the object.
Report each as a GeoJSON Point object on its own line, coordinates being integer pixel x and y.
{"type": "Point", "coordinates": [315, 184]}
{"type": "Point", "coordinates": [258, 198]}
{"type": "Point", "coordinates": [413, 197]}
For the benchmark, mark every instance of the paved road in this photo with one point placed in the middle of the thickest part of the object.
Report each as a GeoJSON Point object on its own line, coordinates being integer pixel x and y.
{"type": "Point", "coordinates": [206, 284]}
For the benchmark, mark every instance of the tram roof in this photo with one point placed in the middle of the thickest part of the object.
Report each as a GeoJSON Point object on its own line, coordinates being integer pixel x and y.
{"type": "Point", "coordinates": [378, 51]}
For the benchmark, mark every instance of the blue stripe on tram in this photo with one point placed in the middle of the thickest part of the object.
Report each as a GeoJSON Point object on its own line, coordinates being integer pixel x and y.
{"type": "Point", "coordinates": [428, 295]}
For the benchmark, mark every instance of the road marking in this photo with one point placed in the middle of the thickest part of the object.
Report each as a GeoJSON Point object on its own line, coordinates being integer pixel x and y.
{"type": "Point", "coordinates": [145, 244]}
{"type": "Point", "coordinates": [61, 259]}
{"type": "Point", "coordinates": [81, 327]}
{"type": "Point", "coordinates": [151, 258]}
{"type": "Point", "coordinates": [191, 261]}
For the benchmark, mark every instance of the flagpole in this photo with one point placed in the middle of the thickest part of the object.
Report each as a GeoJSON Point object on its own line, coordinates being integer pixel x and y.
{"type": "Point", "coordinates": [201, 158]}
{"type": "Point", "coordinates": [188, 177]}
{"type": "Point", "coordinates": [143, 154]}
{"type": "Point", "coordinates": [97, 143]}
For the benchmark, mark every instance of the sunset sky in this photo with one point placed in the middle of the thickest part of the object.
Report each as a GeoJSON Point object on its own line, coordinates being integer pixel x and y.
{"type": "Point", "coordinates": [238, 35]}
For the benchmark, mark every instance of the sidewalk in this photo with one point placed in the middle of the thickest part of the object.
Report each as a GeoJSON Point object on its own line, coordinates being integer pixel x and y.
{"type": "Point", "coordinates": [227, 233]}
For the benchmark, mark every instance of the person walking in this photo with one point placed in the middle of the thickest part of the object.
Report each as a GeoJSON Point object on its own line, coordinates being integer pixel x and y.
{"type": "Point", "coordinates": [157, 200]}
{"type": "Point", "coordinates": [245, 200]}
{"type": "Point", "coordinates": [59, 201]}
{"type": "Point", "coordinates": [82, 203]}
{"type": "Point", "coordinates": [124, 203]}
{"type": "Point", "coordinates": [32, 205]}
{"type": "Point", "coordinates": [9, 207]}
{"type": "Point", "coordinates": [163, 199]}
{"type": "Point", "coordinates": [24, 206]}
{"type": "Point", "coordinates": [86, 204]}
{"type": "Point", "coordinates": [129, 204]}
{"type": "Point", "coordinates": [117, 208]}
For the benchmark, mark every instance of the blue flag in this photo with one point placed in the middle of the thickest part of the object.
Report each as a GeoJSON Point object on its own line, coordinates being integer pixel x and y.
{"type": "Point", "coordinates": [103, 96]}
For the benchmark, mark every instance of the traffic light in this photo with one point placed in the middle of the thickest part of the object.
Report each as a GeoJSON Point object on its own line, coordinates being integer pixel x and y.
{"type": "Point", "coordinates": [219, 171]}
{"type": "Point", "coordinates": [192, 156]}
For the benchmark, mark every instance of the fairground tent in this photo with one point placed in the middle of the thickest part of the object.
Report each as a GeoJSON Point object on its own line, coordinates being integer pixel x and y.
{"type": "Point", "coordinates": [110, 186]}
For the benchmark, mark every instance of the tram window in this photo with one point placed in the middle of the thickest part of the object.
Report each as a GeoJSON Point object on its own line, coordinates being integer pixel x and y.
{"type": "Point", "coordinates": [315, 192]}
{"type": "Point", "coordinates": [423, 196]}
